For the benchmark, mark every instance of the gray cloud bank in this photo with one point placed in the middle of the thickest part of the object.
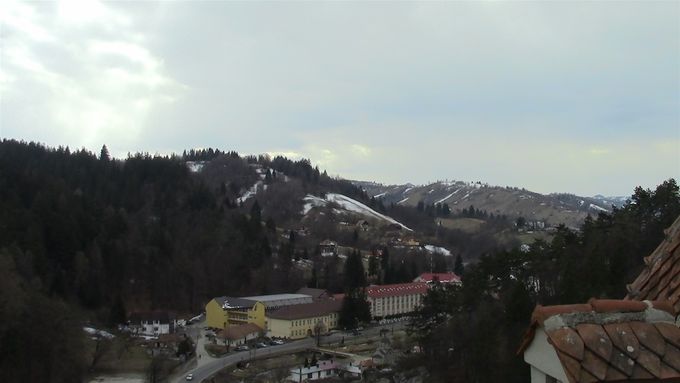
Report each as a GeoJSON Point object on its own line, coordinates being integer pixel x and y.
{"type": "Point", "coordinates": [575, 96]}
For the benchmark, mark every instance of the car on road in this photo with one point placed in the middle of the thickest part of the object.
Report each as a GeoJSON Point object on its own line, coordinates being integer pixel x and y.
{"type": "Point", "coordinates": [276, 342]}
{"type": "Point", "coordinates": [242, 347]}
{"type": "Point", "coordinates": [190, 377]}
{"type": "Point", "coordinates": [261, 345]}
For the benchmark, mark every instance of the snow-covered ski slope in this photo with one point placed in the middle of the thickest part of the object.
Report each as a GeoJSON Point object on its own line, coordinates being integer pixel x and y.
{"type": "Point", "coordinates": [348, 204]}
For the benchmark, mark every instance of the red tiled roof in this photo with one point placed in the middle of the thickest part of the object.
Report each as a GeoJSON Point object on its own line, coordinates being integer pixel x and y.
{"type": "Point", "coordinates": [612, 340]}
{"type": "Point", "coordinates": [399, 289]}
{"type": "Point", "coordinates": [660, 279]}
{"type": "Point", "coordinates": [441, 277]}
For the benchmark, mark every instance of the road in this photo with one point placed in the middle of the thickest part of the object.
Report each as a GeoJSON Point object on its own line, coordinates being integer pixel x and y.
{"type": "Point", "coordinates": [208, 366]}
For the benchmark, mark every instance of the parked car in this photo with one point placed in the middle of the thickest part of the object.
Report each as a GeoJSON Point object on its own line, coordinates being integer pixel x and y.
{"type": "Point", "coordinates": [190, 377]}
{"type": "Point", "coordinates": [242, 347]}
{"type": "Point", "coordinates": [261, 345]}
{"type": "Point", "coordinates": [275, 342]}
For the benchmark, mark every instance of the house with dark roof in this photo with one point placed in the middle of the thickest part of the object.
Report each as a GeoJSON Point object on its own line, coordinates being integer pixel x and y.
{"type": "Point", "coordinates": [235, 335]}
{"type": "Point", "coordinates": [303, 320]}
{"type": "Point", "coordinates": [363, 225]}
{"type": "Point", "coordinates": [328, 248]}
{"type": "Point", "coordinates": [631, 340]}
{"type": "Point", "coordinates": [152, 323]}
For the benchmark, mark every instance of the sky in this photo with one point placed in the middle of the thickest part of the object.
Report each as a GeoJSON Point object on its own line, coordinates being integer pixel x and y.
{"type": "Point", "coordinates": [580, 97]}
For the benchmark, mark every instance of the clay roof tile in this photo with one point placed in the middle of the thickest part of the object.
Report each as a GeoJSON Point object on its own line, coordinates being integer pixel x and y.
{"type": "Point", "coordinates": [595, 339]}
{"type": "Point", "coordinates": [616, 305]}
{"type": "Point", "coordinates": [659, 279]}
{"type": "Point", "coordinates": [649, 337]}
{"type": "Point", "coordinates": [541, 313]}
{"type": "Point", "coordinates": [568, 341]}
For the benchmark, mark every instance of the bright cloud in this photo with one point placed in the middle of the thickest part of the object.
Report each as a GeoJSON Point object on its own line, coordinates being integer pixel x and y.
{"type": "Point", "coordinates": [88, 91]}
{"type": "Point", "coordinates": [575, 97]}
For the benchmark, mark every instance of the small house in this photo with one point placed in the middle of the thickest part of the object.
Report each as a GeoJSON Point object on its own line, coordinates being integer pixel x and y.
{"type": "Point", "coordinates": [328, 248]}
{"type": "Point", "coordinates": [235, 335]}
{"type": "Point", "coordinates": [363, 225]}
{"type": "Point", "coordinates": [152, 323]}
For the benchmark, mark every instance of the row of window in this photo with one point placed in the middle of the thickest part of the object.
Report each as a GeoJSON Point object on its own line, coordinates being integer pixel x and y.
{"type": "Point", "coordinates": [312, 321]}
{"type": "Point", "coordinates": [305, 332]}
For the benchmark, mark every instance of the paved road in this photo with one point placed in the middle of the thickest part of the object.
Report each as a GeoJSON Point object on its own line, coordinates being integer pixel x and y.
{"type": "Point", "coordinates": [208, 366]}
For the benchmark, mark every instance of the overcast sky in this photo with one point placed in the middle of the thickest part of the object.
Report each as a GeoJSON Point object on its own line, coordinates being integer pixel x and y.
{"type": "Point", "coordinates": [579, 97]}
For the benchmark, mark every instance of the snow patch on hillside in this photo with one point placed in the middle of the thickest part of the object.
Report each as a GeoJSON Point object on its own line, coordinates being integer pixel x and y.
{"type": "Point", "coordinates": [348, 204]}
{"type": "Point", "coordinates": [448, 196]}
{"type": "Point", "coordinates": [195, 166]}
{"type": "Point", "coordinates": [402, 201]}
{"type": "Point", "coordinates": [249, 193]}
{"type": "Point", "coordinates": [437, 249]}
{"type": "Point", "coordinates": [595, 207]}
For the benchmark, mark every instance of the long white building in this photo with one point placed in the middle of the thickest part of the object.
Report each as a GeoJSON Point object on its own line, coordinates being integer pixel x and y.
{"type": "Point", "coordinates": [397, 299]}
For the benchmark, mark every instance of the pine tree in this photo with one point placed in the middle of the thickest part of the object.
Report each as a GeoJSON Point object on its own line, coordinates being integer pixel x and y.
{"type": "Point", "coordinates": [458, 267]}
{"type": "Point", "coordinates": [104, 154]}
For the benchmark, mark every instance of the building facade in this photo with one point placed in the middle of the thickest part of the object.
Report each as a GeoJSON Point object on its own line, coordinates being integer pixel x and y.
{"type": "Point", "coordinates": [299, 321]}
{"type": "Point", "coordinates": [221, 312]}
{"type": "Point", "coordinates": [152, 323]}
{"type": "Point", "coordinates": [396, 299]}
{"type": "Point", "coordinates": [235, 335]}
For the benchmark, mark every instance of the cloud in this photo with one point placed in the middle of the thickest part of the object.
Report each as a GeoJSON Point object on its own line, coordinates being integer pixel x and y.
{"type": "Point", "coordinates": [555, 97]}
{"type": "Point", "coordinates": [88, 91]}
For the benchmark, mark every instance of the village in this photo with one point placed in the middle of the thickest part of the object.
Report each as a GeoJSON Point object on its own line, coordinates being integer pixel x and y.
{"type": "Point", "coordinates": [299, 330]}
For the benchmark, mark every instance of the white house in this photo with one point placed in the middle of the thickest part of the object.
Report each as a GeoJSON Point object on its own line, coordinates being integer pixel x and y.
{"type": "Point", "coordinates": [324, 369]}
{"type": "Point", "coordinates": [152, 323]}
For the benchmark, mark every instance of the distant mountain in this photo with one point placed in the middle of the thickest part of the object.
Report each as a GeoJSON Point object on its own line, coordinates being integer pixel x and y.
{"type": "Point", "coordinates": [617, 201]}
{"type": "Point", "coordinates": [553, 209]}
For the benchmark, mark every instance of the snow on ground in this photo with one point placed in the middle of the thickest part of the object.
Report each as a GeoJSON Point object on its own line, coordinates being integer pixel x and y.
{"type": "Point", "coordinates": [195, 166]}
{"type": "Point", "coordinates": [250, 192]}
{"type": "Point", "coordinates": [379, 195]}
{"type": "Point", "coordinates": [348, 204]}
{"type": "Point", "coordinates": [448, 196]}
{"type": "Point", "coordinates": [437, 249]}
{"type": "Point", "coordinates": [408, 189]}
{"type": "Point", "coordinates": [101, 333]}
{"type": "Point", "coordinates": [595, 207]}
{"type": "Point", "coordinates": [311, 202]}
{"type": "Point", "coordinates": [402, 201]}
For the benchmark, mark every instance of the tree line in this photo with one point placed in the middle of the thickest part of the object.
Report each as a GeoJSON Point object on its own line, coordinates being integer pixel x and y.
{"type": "Point", "coordinates": [471, 333]}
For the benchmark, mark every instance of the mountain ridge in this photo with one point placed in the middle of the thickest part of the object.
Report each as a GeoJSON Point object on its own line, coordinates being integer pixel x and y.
{"type": "Point", "coordinates": [551, 209]}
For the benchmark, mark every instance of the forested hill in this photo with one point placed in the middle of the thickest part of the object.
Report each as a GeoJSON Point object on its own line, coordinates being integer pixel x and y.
{"type": "Point", "coordinates": [91, 229]}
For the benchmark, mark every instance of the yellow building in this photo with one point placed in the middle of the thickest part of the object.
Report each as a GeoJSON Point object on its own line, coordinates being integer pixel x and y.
{"type": "Point", "coordinates": [299, 321]}
{"type": "Point", "coordinates": [221, 312]}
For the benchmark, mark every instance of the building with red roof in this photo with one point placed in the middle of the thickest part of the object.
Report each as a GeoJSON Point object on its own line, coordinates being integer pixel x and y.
{"type": "Point", "coordinates": [396, 299]}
